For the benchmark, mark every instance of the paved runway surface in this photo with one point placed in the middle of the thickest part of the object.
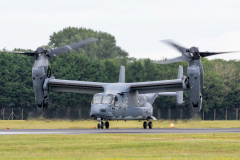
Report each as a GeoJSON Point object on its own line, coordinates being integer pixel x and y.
{"type": "Point", "coordinates": [121, 131]}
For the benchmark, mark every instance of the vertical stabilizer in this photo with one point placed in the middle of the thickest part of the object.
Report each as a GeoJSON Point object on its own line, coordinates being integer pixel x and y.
{"type": "Point", "coordinates": [122, 75]}
{"type": "Point", "coordinates": [180, 72]}
{"type": "Point", "coordinates": [179, 97]}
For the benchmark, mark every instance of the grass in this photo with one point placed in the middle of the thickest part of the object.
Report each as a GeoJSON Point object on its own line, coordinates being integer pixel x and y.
{"type": "Point", "coordinates": [121, 146]}
{"type": "Point", "coordinates": [67, 124]}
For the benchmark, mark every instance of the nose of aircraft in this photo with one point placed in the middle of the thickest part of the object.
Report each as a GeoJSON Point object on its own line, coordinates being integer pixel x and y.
{"type": "Point", "coordinates": [99, 110]}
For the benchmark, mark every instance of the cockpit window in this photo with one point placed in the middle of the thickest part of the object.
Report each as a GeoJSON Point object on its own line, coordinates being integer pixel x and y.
{"type": "Point", "coordinates": [97, 99]}
{"type": "Point", "coordinates": [107, 99]}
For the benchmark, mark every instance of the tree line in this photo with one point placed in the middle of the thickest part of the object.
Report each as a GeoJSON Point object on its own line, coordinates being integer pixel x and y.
{"type": "Point", "coordinates": [101, 62]}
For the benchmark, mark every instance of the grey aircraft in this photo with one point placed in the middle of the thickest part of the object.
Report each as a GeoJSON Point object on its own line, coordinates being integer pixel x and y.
{"type": "Point", "coordinates": [120, 101]}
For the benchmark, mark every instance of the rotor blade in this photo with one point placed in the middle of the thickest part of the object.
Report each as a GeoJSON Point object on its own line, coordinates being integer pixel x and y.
{"type": "Point", "coordinates": [206, 54]}
{"type": "Point", "coordinates": [41, 61]}
{"type": "Point", "coordinates": [177, 59]}
{"type": "Point", "coordinates": [179, 48]}
{"type": "Point", "coordinates": [18, 52]}
{"type": "Point", "coordinates": [57, 51]}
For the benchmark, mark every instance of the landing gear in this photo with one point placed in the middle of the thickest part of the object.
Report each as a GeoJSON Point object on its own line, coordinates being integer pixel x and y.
{"type": "Point", "coordinates": [149, 124]}
{"type": "Point", "coordinates": [107, 125]}
{"type": "Point", "coordinates": [102, 124]}
{"type": "Point", "coordinates": [144, 124]}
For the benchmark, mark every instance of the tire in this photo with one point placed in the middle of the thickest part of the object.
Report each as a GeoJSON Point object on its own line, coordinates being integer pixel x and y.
{"type": "Point", "coordinates": [98, 126]}
{"type": "Point", "coordinates": [144, 124]}
{"type": "Point", "coordinates": [150, 125]}
{"type": "Point", "coordinates": [102, 125]}
{"type": "Point", "coordinates": [107, 125]}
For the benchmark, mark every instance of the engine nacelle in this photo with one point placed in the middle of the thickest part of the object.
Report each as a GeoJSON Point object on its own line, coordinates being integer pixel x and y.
{"type": "Point", "coordinates": [41, 93]}
{"type": "Point", "coordinates": [195, 88]}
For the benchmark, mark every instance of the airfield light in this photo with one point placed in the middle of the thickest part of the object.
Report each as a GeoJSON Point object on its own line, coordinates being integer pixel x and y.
{"type": "Point", "coordinates": [6, 128]}
{"type": "Point", "coordinates": [171, 125]}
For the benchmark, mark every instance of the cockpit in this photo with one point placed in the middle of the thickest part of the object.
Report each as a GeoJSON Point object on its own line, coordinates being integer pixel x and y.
{"type": "Point", "coordinates": [105, 99]}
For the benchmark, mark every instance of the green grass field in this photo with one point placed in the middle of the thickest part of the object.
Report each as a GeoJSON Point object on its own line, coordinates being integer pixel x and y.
{"type": "Point", "coordinates": [67, 124]}
{"type": "Point", "coordinates": [121, 146]}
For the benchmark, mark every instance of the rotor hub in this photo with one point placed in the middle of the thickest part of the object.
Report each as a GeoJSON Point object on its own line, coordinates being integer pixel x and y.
{"type": "Point", "coordinates": [194, 53]}
{"type": "Point", "coordinates": [40, 50]}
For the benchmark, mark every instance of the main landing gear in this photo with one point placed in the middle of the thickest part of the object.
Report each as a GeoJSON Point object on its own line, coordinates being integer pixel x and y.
{"type": "Point", "coordinates": [148, 123]}
{"type": "Point", "coordinates": [102, 124]}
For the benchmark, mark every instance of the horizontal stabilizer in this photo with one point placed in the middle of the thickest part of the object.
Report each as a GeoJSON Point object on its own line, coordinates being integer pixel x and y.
{"type": "Point", "coordinates": [178, 94]}
{"type": "Point", "coordinates": [167, 94]}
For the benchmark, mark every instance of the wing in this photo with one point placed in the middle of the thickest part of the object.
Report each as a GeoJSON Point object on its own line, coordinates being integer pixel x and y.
{"type": "Point", "coordinates": [157, 86]}
{"type": "Point", "coordinates": [75, 86]}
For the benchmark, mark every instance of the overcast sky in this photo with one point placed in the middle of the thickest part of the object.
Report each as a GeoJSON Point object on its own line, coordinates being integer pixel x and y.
{"type": "Point", "coordinates": [138, 25]}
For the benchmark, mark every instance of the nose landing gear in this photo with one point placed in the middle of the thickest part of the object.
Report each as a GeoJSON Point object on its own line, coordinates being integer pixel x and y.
{"type": "Point", "coordinates": [102, 124]}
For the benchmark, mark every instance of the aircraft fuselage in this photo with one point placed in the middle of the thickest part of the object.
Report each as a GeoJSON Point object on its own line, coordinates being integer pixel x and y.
{"type": "Point", "coordinates": [127, 106]}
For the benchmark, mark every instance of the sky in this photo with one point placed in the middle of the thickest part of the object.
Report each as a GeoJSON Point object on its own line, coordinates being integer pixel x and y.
{"type": "Point", "coordinates": [138, 25]}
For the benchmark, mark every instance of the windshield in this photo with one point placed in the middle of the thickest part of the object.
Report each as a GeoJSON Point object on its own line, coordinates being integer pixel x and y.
{"type": "Point", "coordinates": [97, 99]}
{"type": "Point", "coordinates": [107, 99]}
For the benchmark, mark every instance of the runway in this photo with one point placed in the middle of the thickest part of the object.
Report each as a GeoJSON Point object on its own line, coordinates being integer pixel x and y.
{"type": "Point", "coordinates": [117, 131]}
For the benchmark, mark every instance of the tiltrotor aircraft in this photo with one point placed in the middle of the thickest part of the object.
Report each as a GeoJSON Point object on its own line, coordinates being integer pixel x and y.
{"type": "Point", "coordinates": [195, 77]}
{"type": "Point", "coordinates": [120, 101]}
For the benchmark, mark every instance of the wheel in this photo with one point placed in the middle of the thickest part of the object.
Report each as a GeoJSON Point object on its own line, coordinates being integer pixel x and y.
{"type": "Point", "coordinates": [144, 124]}
{"type": "Point", "coordinates": [102, 125]}
{"type": "Point", "coordinates": [107, 125]}
{"type": "Point", "coordinates": [150, 125]}
{"type": "Point", "coordinates": [98, 125]}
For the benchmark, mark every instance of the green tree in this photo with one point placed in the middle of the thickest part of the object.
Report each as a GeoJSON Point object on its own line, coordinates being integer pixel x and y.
{"type": "Point", "coordinates": [103, 49]}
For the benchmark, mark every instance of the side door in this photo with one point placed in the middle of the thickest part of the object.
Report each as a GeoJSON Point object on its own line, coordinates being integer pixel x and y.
{"type": "Point", "coordinates": [125, 105]}
{"type": "Point", "coordinates": [117, 109]}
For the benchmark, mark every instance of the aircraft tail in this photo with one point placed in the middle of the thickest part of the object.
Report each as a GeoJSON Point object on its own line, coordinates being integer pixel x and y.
{"type": "Point", "coordinates": [179, 94]}
{"type": "Point", "coordinates": [122, 75]}
{"type": "Point", "coordinates": [179, 97]}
